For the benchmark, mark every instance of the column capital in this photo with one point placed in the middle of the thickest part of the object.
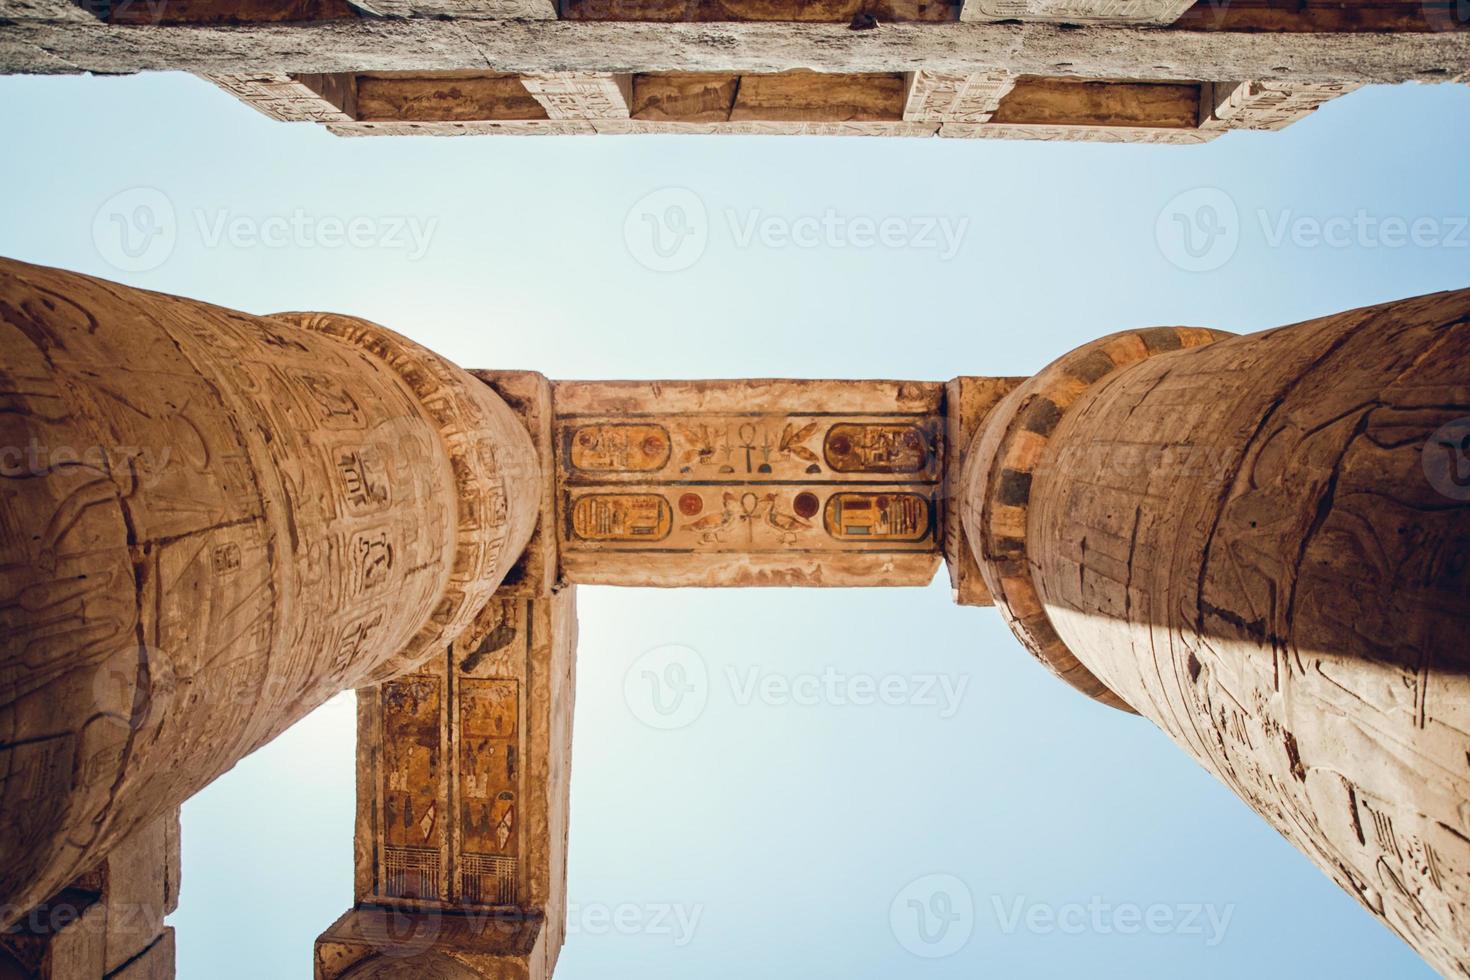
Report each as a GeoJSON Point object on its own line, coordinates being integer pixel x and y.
{"type": "Point", "coordinates": [996, 482]}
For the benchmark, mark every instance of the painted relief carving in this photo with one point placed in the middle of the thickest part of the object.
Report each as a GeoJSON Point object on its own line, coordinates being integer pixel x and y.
{"type": "Point", "coordinates": [878, 516]}
{"type": "Point", "coordinates": [741, 472]}
{"type": "Point", "coordinates": [621, 517]}
{"type": "Point", "coordinates": [412, 762]}
{"type": "Point", "coordinates": [619, 448]}
{"type": "Point", "coordinates": [740, 447]}
{"type": "Point", "coordinates": [446, 780]}
{"type": "Point", "coordinates": [489, 728]}
{"type": "Point", "coordinates": [872, 448]}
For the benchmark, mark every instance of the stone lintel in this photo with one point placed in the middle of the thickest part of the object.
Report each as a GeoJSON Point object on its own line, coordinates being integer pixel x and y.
{"type": "Point", "coordinates": [991, 105]}
{"type": "Point", "coordinates": [531, 46]}
{"type": "Point", "coordinates": [751, 482]}
{"type": "Point", "coordinates": [1263, 105]}
{"type": "Point", "coordinates": [1076, 134]}
{"type": "Point", "coordinates": [460, 9]}
{"type": "Point", "coordinates": [1109, 12]}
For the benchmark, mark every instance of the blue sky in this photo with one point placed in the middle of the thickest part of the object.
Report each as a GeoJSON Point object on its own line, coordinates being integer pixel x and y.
{"type": "Point", "coordinates": [769, 837]}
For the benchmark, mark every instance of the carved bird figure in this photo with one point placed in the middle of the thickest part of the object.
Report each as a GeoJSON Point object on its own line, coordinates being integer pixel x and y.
{"type": "Point", "coordinates": [712, 526]}
{"type": "Point", "coordinates": [786, 525]}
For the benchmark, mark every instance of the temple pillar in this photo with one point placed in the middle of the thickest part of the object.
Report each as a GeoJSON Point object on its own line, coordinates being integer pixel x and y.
{"type": "Point", "coordinates": [210, 523]}
{"type": "Point", "coordinates": [1262, 544]}
{"type": "Point", "coordinates": [463, 789]}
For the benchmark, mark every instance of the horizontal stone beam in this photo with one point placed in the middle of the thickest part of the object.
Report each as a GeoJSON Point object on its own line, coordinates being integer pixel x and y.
{"type": "Point", "coordinates": [544, 46]}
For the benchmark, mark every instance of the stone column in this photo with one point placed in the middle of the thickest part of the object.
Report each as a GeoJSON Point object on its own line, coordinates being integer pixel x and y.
{"type": "Point", "coordinates": [1262, 544]}
{"type": "Point", "coordinates": [210, 523]}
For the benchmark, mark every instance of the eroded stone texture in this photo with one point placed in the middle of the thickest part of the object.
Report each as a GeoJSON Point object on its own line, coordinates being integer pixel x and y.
{"type": "Point", "coordinates": [1260, 544]}
{"type": "Point", "coordinates": [209, 524]}
{"type": "Point", "coordinates": [107, 918]}
{"type": "Point", "coordinates": [1077, 11]}
{"type": "Point", "coordinates": [532, 46]}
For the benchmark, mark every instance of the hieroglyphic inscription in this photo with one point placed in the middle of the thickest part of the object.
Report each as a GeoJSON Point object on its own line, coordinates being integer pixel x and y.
{"type": "Point", "coordinates": [1278, 594]}
{"type": "Point", "coordinates": [1266, 105]}
{"type": "Point", "coordinates": [954, 97]}
{"type": "Point", "coordinates": [577, 96]}
{"type": "Point", "coordinates": [413, 762]}
{"type": "Point", "coordinates": [1077, 11]}
{"type": "Point", "coordinates": [463, 796]}
{"type": "Point", "coordinates": [224, 563]}
{"type": "Point", "coordinates": [739, 474]}
{"type": "Point", "coordinates": [489, 746]}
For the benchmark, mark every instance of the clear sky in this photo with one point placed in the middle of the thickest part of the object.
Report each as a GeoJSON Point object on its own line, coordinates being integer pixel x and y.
{"type": "Point", "coordinates": [1041, 835]}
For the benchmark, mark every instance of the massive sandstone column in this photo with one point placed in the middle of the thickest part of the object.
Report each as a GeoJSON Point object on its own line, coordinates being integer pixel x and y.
{"type": "Point", "coordinates": [1262, 543]}
{"type": "Point", "coordinates": [210, 523]}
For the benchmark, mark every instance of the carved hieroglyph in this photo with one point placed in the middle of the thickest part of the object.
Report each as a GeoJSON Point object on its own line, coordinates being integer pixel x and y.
{"type": "Point", "coordinates": [294, 98]}
{"type": "Point", "coordinates": [749, 482]}
{"type": "Point", "coordinates": [1260, 544]}
{"type": "Point", "coordinates": [1077, 11]}
{"type": "Point", "coordinates": [1266, 105]}
{"type": "Point", "coordinates": [209, 524]}
{"type": "Point", "coordinates": [582, 96]}
{"type": "Point", "coordinates": [935, 96]}
{"type": "Point", "coordinates": [463, 795]}
{"type": "Point", "coordinates": [1078, 134]}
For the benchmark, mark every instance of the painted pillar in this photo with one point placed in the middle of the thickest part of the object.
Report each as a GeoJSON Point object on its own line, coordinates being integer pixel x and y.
{"type": "Point", "coordinates": [1262, 544]}
{"type": "Point", "coordinates": [210, 523]}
